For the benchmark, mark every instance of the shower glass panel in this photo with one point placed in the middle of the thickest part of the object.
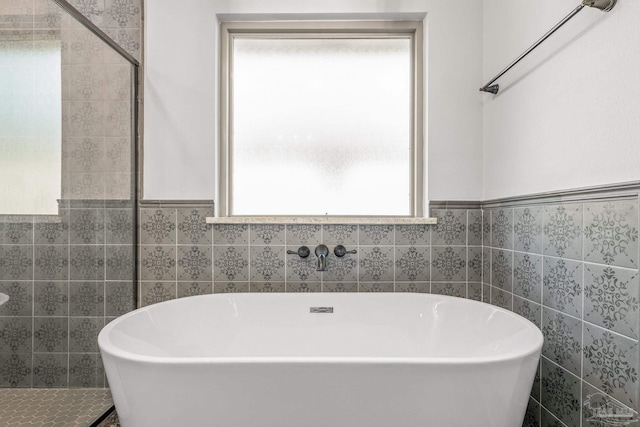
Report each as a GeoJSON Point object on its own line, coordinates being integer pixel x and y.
{"type": "Point", "coordinates": [67, 195]}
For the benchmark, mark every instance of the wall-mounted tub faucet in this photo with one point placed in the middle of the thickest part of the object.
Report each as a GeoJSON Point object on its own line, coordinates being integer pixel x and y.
{"type": "Point", "coordinates": [321, 252]}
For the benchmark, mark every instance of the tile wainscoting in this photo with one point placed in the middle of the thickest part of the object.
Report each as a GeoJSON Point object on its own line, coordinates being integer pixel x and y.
{"type": "Point", "coordinates": [568, 262]}
{"type": "Point", "coordinates": [181, 255]}
{"type": "Point", "coordinates": [572, 269]}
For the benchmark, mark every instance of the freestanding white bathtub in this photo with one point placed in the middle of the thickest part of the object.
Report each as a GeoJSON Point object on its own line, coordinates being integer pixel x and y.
{"type": "Point", "coordinates": [267, 360]}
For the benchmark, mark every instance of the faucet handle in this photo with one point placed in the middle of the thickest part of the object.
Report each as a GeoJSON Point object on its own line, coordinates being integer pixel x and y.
{"type": "Point", "coordinates": [302, 252]}
{"type": "Point", "coordinates": [341, 251]}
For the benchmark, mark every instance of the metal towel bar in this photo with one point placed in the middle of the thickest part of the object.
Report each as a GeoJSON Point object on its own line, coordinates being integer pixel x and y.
{"type": "Point", "coordinates": [604, 5]}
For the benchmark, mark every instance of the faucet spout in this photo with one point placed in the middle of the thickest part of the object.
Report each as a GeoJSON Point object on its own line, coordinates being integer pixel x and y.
{"type": "Point", "coordinates": [321, 252]}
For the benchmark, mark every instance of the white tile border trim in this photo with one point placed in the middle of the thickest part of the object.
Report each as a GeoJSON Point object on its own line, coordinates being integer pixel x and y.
{"type": "Point", "coordinates": [318, 220]}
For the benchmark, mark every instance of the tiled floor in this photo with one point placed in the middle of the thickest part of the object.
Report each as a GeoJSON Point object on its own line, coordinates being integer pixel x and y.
{"type": "Point", "coordinates": [52, 407]}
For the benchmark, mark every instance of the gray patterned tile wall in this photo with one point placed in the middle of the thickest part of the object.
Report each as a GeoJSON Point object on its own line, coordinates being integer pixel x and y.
{"type": "Point", "coordinates": [119, 19]}
{"type": "Point", "coordinates": [68, 274]}
{"type": "Point", "coordinates": [572, 268]}
{"type": "Point", "coordinates": [180, 255]}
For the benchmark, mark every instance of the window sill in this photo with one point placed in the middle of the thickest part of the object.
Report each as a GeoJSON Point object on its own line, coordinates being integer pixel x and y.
{"type": "Point", "coordinates": [318, 220]}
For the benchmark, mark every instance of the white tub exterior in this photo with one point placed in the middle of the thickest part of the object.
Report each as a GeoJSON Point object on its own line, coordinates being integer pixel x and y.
{"type": "Point", "coordinates": [263, 360]}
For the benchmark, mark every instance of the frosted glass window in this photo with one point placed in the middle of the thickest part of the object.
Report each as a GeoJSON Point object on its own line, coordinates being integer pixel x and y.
{"type": "Point", "coordinates": [30, 124]}
{"type": "Point", "coordinates": [321, 126]}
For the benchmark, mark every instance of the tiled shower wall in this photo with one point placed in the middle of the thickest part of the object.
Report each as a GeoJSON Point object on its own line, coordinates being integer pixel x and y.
{"type": "Point", "coordinates": [119, 19]}
{"type": "Point", "coordinates": [180, 255]}
{"type": "Point", "coordinates": [68, 274]}
{"type": "Point", "coordinates": [572, 269]}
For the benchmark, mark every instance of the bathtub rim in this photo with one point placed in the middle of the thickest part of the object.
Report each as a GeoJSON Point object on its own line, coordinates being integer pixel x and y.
{"type": "Point", "coordinates": [107, 347]}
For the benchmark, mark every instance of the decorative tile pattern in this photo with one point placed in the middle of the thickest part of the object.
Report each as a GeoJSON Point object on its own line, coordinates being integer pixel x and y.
{"type": "Point", "coordinates": [562, 340]}
{"type": "Point", "coordinates": [474, 291]}
{"type": "Point", "coordinates": [501, 298]}
{"type": "Point", "coordinates": [50, 370]}
{"type": "Point", "coordinates": [268, 287]}
{"type": "Point", "coordinates": [376, 263]}
{"type": "Point", "coordinates": [529, 310]}
{"type": "Point", "coordinates": [119, 298]}
{"type": "Point", "coordinates": [474, 227]}
{"type": "Point", "coordinates": [486, 228]}
{"type": "Point", "coordinates": [155, 292]}
{"type": "Point", "coordinates": [84, 371]}
{"type": "Point", "coordinates": [303, 234]}
{"type": "Point", "coordinates": [51, 262]}
{"type": "Point", "coordinates": [527, 276]}
{"type": "Point", "coordinates": [192, 227]}
{"type": "Point", "coordinates": [412, 264]}
{"type": "Point", "coordinates": [548, 420]}
{"type": "Point", "coordinates": [86, 299]}
{"type": "Point", "coordinates": [87, 262]}
{"type": "Point", "coordinates": [301, 269]}
{"type": "Point", "coordinates": [122, 13]}
{"type": "Point", "coordinates": [119, 226]}
{"type": "Point", "coordinates": [528, 230]}
{"type": "Point", "coordinates": [230, 287]}
{"type": "Point", "coordinates": [376, 235]}
{"type": "Point", "coordinates": [561, 393]}
{"type": "Point", "coordinates": [502, 228]}
{"type": "Point", "coordinates": [190, 289]}
{"type": "Point", "coordinates": [16, 232]}
{"type": "Point", "coordinates": [611, 364]}
{"type": "Point", "coordinates": [267, 264]}
{"type": "Point", "coordinates": [562, 231]}
{"type": "Point", "coordinates": [15, 335]}
{"type": "Point", "coordinates": [52, 231]}
{"type": "Point", "coordinates": [532, 416]}
{"type": "Point", "coordinates": [157, 226]}
{"type": "Point", "coordinates": [502, 269]}
{"type": "Point", "coordinates": [65, 253]}
{"type": "Point", "coordinates": [450, 289]}
{"type": "Point", "coordinates": [51, 298]}
{"type": "Point", "coordinates": [611, 233]}
{"type": "Point", "coordinates": [341, 269]}
{"type": "Point", "coordinates": [376, 287]}
{"type": "Point", "coordinates": [120, 262]}
{"type": "Point", "coordinates": [16, 263]}
{"type": "Point", "coordinates": [20, 298]}
{"type": "Point", "coordinates": [448, 264]}
{"type": "Point", "coordinates": [474, 264]}
{"type": "Point", "coordinates": [231, 263]}
{"type": "Point", "coordinates": [83, 334]}
{"type": "Point", "coordinates": [267, 234]}
{"type": "Point", "coordinates": [50, 334]}
{"type": "Point", "coordinates": [414, 234]}
{"type": "Point", "coordinates": [451, 228]}
{"type": "Point", "coordinates": [342, 287]}
{"type": "Point", "coordinates": [304, 287]}
{"type": "Point", "coordinates": [611, 298]}
{"type": "Point", "coordinates": [486, 265]}
{"type": "Point", "coordinates": [229, 234]}
{"type": "Point", "coordinates": [15, 371]}
{"type": "Point", "coordinates": [158, 263]}
{"type": "Point", "coordinates": [194, 263]}
{"type": "Point", "coordinates": [563, 285]}
{"type": "Point", "coordinates": [346, 235]}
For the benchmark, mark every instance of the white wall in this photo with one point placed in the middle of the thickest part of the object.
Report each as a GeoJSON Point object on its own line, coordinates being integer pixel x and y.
{"type": "Point", "coordinates": [181, 55]}
{"type": "Point", "coordinates": [568, 116]}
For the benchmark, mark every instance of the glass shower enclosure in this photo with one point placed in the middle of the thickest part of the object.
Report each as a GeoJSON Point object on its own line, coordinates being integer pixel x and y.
{"type": "Point", "coordinates": [68, 174]}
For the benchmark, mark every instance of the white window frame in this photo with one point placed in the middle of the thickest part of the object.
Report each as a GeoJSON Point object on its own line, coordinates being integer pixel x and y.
{"type": "Point", "coordinates": [317, 29]}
